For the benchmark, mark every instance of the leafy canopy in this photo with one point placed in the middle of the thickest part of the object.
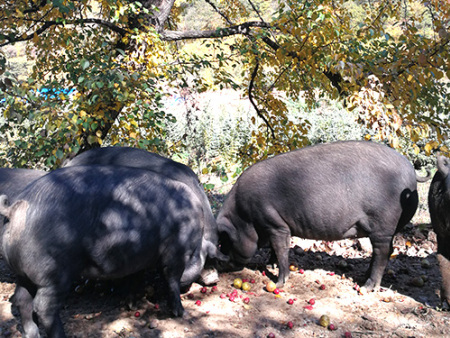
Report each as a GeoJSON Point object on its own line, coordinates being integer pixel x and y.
{"type": "Point", "coordinates": [101, 69]}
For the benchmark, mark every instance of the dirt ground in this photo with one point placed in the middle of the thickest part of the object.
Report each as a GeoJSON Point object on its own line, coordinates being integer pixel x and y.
{"type": "Point", "coordinates": [407, 305]}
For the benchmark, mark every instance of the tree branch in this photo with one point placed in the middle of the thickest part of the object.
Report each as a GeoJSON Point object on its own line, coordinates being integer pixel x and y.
{"type": "Point", "coordinates": [47, 24]}
{"type": "Point", "coordinates": [243, 29]}
{"type": "Point", "coordinates": [252, 101]}
{"type": "Point", "coordinates": [219, 12]}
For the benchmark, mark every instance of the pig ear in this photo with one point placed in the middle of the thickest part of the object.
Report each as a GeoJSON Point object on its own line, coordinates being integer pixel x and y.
{"type": "Point", "coordinates": [4, 206]}
{"type": "Point", "coordinates": [213, 252]}
{"type": "Point", "coordinates": [443, 165]}
{"type": "Point", "coordinates": [226, 229]}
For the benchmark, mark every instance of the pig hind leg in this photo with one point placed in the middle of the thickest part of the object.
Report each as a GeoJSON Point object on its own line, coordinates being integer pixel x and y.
{"type": "Point", "coordinates": [23, 299]}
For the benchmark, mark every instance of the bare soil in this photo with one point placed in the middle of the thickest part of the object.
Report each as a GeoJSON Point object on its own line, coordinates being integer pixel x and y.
{"type": "Point", "coordinates": [403, 307]}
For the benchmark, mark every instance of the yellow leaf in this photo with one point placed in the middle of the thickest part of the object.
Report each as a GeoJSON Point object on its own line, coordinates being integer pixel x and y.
{"type": "Point", "coordinates": [410, 77]}
{"type": "Point", "coordinates": [205, 171]}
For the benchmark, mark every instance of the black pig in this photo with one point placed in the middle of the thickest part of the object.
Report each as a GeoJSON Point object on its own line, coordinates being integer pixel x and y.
{"type": "Point", "coordinates": [139, 158]}
{"type": "Point", "coordinates": [324, 192]}
{"type": "Point", "coordinates": [439, 207]}
{"type": "Point", "coordinates": [99, 222]}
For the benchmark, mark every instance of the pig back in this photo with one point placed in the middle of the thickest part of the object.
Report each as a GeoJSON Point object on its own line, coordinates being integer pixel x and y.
{"type": "Point", "coordinates": [139, 158]}
{"type": "Point", "coordinates": [329, 191]}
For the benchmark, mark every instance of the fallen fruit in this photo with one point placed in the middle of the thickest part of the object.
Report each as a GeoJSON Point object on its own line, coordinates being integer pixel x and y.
{"type": "Point", "coordinates": [293, 267]}
{"type": "Point", "coordinates": [331, 327]}
{"type": "Point", "coordinates": [276, 291]}
{"type": "Point", "coordinates": [348, 334]}
{"type": "Point", "coordinates": [301, 271]}
{"type": "Point", "coordinates": [343, 264]}
{"type": "Point", "coordinates": [203, 289]}
{"type": "Point", "coordinates": [199, 302]}
{"type": "Point", "coordinates": [322, 287]}
{"type": "Point", "coordinates": [214, 288]}
{"type": "Point", "coordinates": [252, 281]}
{"type": "Point", "coordinates": [418, 281]}
{"type": "Point", "coordinates": [271, 335]}
{"type": "Point", "coordinates": [290, 301]}
{"type": "Point", "coordinates": [137, 314]}
{"type": "Point", "coordinates": [223, 296]}
{"type": "Point", "coordinates": [425, 263]}
{"type": "Point", "coordinates": [270, 286]}
{"type": "Point", "coordinates": [324, 321]}
{"type": "Point", "coordinates": [156, 306]}
{"type": "Point", "coordinates": [308, 307]}
{"type": "Point", "coordinates": [246, 286]}
{"type": "Point", "coordinates": [190, 296]}
{"type": "Point", "coordinates": [290, 324]}
{"type": "Point", "coordinates": [312, 301]}
{"type": "Point", "coordinates": [246, 300]}
{"type": "Point", "coordinates": [237, 283]}
{"type": "Point", "coordinates": [232, 298]}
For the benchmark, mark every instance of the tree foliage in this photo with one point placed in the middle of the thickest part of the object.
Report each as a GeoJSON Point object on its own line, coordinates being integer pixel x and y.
{"type": "Point", "coordinates": [102, 67]}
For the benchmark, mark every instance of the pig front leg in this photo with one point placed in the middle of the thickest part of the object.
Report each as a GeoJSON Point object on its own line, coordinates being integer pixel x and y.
{"type": "Point", "coordinates": [23, 299]}
{"type": "Point", "coordinates": [382, 249]}
{"type": "Point", "coordinates": [172, 279]}
{"type": "Point", "coordinates": [280, 238]}
{"type": "Point", "coordinates": [444, 265]}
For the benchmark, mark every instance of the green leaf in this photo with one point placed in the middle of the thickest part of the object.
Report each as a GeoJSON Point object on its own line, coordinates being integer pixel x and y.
{"type": "Point", "coordinates": [85, 64]}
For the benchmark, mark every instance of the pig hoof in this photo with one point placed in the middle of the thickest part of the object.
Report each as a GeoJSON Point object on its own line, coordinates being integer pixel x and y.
{"type": "Point", "coordinates": [369, 285]}
{"type": "Point", "coordinates": [209, 277]}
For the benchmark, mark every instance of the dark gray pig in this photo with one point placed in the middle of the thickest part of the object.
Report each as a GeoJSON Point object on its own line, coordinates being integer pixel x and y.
{"type": "Point", "coordinates": [99, 222]}
{"type": "Point", "coordinates": [324, 192]}
{"type": "Point", "coordinates": [139, 158]}
{"type": "Point", "coordinates": [14, 180]}
{"type": "Point", "coordinates": [439, 206]}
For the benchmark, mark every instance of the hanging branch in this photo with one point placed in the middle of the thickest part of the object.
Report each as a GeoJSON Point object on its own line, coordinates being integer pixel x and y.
{"type": "Point", "coordinates": [252, 101]}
